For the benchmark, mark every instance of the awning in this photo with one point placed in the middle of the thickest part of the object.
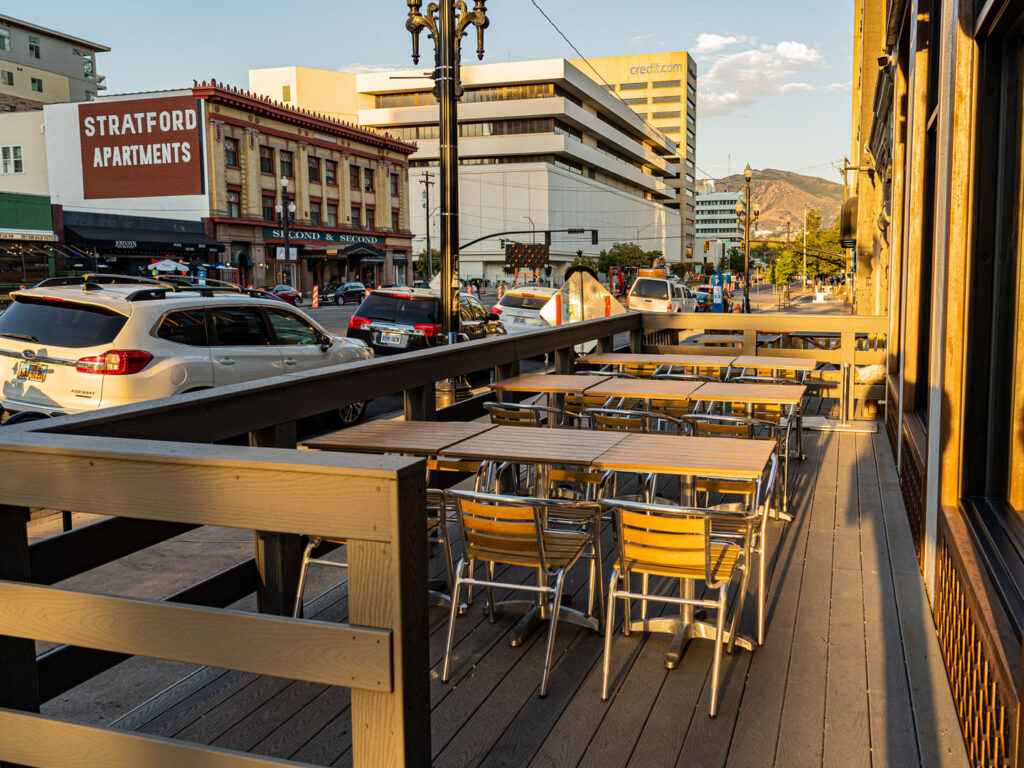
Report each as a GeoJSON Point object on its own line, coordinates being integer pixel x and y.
{"type": "Point", "coordinates": [142, 241]}
{"type": "Point", "coordinates": [367, 254]}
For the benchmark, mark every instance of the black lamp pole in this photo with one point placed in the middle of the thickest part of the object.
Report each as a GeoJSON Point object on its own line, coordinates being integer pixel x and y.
{"type": "Point", "coordinates": [286, 212]}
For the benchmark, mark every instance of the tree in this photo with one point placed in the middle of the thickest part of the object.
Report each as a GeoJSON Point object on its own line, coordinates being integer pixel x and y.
{"type": "Point", "coordinates": [625, 255]}
{"type": "Point", "coordinates": [421, 262]}
{"type": "Point", "coordinates": [733, 260]}
{"type": "Point", "coordinates": [585, 260]}
{"type": "Point", "coordinates": [820, 238]}
{"type": "Point", "coordinates": [785, 267]}
{"type": "Point", "coordinates": [709, 269]}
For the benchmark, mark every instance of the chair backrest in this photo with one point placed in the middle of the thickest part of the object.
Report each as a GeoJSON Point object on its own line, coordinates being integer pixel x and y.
{"type": "Point", "coordinates": [639, 371]}
{"type": "Point", "coordinates": [618, 419]}
{"type": "Point", "coordinates": [499, 528]}
{"type": "Point", "coordinates": [716, 425]}
{"type": "Point", "coordinates": [575, 403]}
{"type": "Point", "coordinates": [592, 482]}
{"type": "Point", "coordinates": [513, 414]}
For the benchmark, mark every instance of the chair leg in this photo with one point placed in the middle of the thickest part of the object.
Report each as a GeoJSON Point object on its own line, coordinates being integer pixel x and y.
{"type": "Point", "coordinates": [627, 577]}
{"type": "Point", "coordinates": [490, 592]}
{"type": "Point", "coordinates": [598, 559]}
{"type": "Point", "coordinates": [643, 603]}
{"type": "Point", "coordinates": [446, 545]}
{"type": "Point", "coordinates": [717, 664]}
{"type": "Point", "coordinates": [552, 630]}
{"type": "Point", "coordinates": [303, 570]}
{"type": "Point", "coordinates": [453, 612]}
{"type": "Point", "coordinates": [760, 590]}
{"type": "Point", "coordinates": [590, 586]}
{"type": "Point", "coordinates": [609, 628]}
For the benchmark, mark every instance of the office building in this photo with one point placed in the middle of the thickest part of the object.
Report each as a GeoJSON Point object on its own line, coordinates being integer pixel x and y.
{"type": "Point", "coordinates": [662, 89]}
{"type": "Point", "coordinates": [717, 218]}
{"type": "Point", "coordinates": [41, 66]}
{"type": "Point", "coordinates": [543, 147]}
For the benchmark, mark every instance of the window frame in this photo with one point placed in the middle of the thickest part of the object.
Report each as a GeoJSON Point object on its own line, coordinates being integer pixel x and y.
{"type": "Point", "coordinates": [331, 172]}
{"type": "Point", "coordinates": [236, 213]}
{"type": "Point", "coordinates": [369, 217]}
{"type": "Point", "coordinates": [369, 180]}
{"type": "Point", "coordinates": [32, 84]}
{"type": "Point", "coordinates": [273, 206]}
{"type": "Point", "coordinates": [290, 163]}
{"type": "Point", "coordinates": [353, 177]}
{"type": "Point", "coordinates": [316, 221]}
{"type": "Point", "coordinates": [271, 158]}
{"type": "Point", "coordinates": [5, 38]}
{"type": "Point", "coordinates": [15, 155]}
{"type": "Point", "coordinates": [7, 77]}
{"type": "Point", "coordinates": [214, 336]}
{"type": "Point", "coordinates": [35, 48]}
{"type": "Point", "coordinates": [332, 215]}
{"type": "Point", "coordinates": [356, 215]}
{"type": "Point", "coordinates": [229, 142]}
{"type": "Point", "coordinates": [313, 162]}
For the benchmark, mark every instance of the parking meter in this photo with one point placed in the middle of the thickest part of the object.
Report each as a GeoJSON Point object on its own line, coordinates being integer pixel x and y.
{"type": "Point", "coordinates": [717, 299]}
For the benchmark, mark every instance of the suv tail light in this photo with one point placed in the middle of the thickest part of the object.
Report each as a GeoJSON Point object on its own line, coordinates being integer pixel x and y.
{"type": "Point", "coordinates": [496, 309]}
{"type": "Point", "coordinates": [429, 329]}
{"type": "Point", "coordinates": [668, 306]}
{"type": "Point", "coordinates": [115, 362]}
{"type": "Point", "coordinates": [358, 322]}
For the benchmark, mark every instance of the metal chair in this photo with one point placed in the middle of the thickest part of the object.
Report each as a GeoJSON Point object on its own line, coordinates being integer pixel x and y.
{"type": "Point", "coordinates": [680, 543]}
{"type": "Point", "coordinates": [512, 530]}
{"type": "Point", "coordinates": [529, 415]}
{"type": "Point", "coordinates": [625, 420]}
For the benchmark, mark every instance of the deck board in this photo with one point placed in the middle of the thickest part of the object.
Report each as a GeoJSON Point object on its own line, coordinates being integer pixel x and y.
{"type": "Point", "coordinates": [848, 675]}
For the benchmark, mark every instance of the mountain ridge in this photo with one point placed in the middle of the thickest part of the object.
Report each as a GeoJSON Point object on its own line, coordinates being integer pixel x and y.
{"type": "Point", "coordinates": [785, 193]}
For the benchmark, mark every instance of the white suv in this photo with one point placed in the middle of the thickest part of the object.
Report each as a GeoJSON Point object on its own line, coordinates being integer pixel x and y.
{"type": "Point", "coordinates": [77, 344]}
{"type": "Point", "coordinates": [657, 294]}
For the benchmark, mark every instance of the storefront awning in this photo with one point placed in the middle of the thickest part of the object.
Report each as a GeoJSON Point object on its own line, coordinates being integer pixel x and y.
{"type": "Point", "coordinates": [142, 241]}
{"type": "Point", "coordinates": [367, 254]}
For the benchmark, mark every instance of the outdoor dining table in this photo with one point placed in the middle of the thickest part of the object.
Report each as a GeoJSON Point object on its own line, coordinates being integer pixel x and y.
{"type": "Point", "coordinates": [645, 389]}
{"type": "Point", "coordinates": [419, 438]}
{"type": "Point", "coordinates": [734, 339]}
{"type": "Point", "coordinates": [548, 383]}
{"type": "Point", "coordinates": [786, 364]}
{"type": "Point", "coordinates": [661, 361]}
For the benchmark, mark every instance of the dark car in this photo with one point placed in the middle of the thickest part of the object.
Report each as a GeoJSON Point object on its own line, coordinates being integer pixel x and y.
{"type": "Point", "coordinates": [287, 293]}
{"type": "Point", "coordinates": [343, 294]}
{"type": "Point", "coordinates": [400, 320]}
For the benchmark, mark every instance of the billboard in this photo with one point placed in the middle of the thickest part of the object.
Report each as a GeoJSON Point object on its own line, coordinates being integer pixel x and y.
{"type": "Point", "coordinates": [140, 148]}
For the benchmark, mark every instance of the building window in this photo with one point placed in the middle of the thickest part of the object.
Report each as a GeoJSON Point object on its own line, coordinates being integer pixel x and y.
{"type": "Point", "coordinates": [371, 218]}
{"type": "Point", "coordinates": [37, 84]}
{"type": "Point", "coordinates": [90, 95]}
{"type": "Point", "coordinates": [394, 183]}
{"type": "Point", "coordinates": [314, 170]}
{"type": "Point", "coordinates": [635, 101]}
{"type": "Point", "coordinates": [331, 172]}
{"type": "Point", "coordinates": [314, 213]}
{"type": "Point", "coordinates": [632, 86]}
{"type": "Point", "coordinates": [286, 164]}
{"type": "Point", "coordinates": [230, 152]}
{"type": "Point", "coordinates": [666, 83]}
{"type": "Point", "coordinates": [368, 175]}
{"type": "Point", "coordinates": [266, 160]}
{"type": "Point", "coordinates": [5, 39]}
{"type": "Point", "coordinates": [394, 221]}
{"type": "Point", "coordinates": [11, 160]}
{"type": "Point", "coordinates": [6, 78]}
{"type": "Point", "coordinates": [660, 115]}
{"type": "Point", "coordinates": [33, 47]}
{"type": "Point", "coordinates": [88, 65]}
{"type": "Point", "coordinates": [332, 214]}
{"type": "Point", "coordinates": [665, 99]}
{"type": "Point", "coordinates": [353, 177]}
{"type": "Point", "coordinates": [234, 203]}
{"type": "Point", "coordinates": [609, 86]}
{"type": "Point", "coordinates": [269, 202]}
{"type": "Point", "coordinates": [356, 214]}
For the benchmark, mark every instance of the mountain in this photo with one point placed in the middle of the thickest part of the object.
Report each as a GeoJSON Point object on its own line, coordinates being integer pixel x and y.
{"type": "Point", "coordinates": [782, 193]}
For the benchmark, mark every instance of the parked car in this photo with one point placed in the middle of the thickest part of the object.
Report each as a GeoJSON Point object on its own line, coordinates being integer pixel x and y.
{"type": "Point", "coordinates": [345, 293]}
{"type": "Point", "coordinates": [67, 348]}
{"type": "Point", "coordinates": [704, 293]}
{"type": "Point", "coordinates": [519, 309]}
{"type": "Point", "coordinates": [287, 293]}
{"type": "Point", "coordinates": [658, 294]}
{"type": "Point", "coordinates": [400, 320]}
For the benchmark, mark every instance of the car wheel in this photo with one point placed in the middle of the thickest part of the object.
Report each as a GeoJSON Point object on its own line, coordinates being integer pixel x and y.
{"type": "Point", "coordinates": [298, 302]}
{"type": "Point", "coordinates": [350, 414]}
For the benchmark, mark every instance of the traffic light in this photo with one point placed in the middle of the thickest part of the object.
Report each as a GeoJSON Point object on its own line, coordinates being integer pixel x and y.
{"type": "Point", "coordinates": [707, 246]}
{"type": "Point", "coordinates": [547, 237]}
{"type": "Point", "coordinates": [593, 237]}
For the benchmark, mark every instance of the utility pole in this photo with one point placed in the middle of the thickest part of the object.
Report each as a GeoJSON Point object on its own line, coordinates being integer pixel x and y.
{"type": "Point", "coordinates": [427, 180]}
{"type": "Point", "coordinates": [805, 250]}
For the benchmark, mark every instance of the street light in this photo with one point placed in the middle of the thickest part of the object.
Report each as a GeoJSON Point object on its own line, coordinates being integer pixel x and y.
{"type": "Point", "coordinates": [447, 29]}
{"type": "Point", "coordinates": [286, 215]}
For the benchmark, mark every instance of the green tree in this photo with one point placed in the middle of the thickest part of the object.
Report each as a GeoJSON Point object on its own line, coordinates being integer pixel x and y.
{"type": "Point", "coordinates": [421, 262]}
{"type": "Point", "coordinates": [585, 260]}
{"type": "Point", "coordinates": [709, 269]}
{"type": "Point", "coordinates": [821, 238]}
{"type": "Point", "coordinates": [733, 260]}
{"type": "Point", "coordinates": [625, 255]}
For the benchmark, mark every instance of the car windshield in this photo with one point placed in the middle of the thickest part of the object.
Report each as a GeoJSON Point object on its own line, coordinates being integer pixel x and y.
{"type": "Point", "coordinates": [523, 301]}
{"type": "Point", "coordinates": [353, 286]}
{"type": "Point", "coordinates": [60, 323]}
{"type": "Point", "coordinates": [398, 309]}
{"type": "Point", "coordinates": [650, 289]}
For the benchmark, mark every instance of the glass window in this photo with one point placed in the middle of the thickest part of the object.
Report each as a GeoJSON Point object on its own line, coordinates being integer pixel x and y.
{"type": "Point", "coordinates": [394, 221]}
{"type": "Point", "coordinates": [659, 115]}
{"type": "Point", "coordinates": [6, 78]}
{"type": "Point", "coordinates": [523, 301]}
{"type": "Point", "coordinates": [266, 159]}
{"type": "Point", "coordinates": [5, 39]}
{"type": "Point", "coordinates": [371, 219]}
{"type": "Point", "coordinates": [269, 201]}
{"type": "Point", "coordinates": [88, 65]}
{"type": "Point", "coordinates": [353, 177]}
{"type": "Point", "coordinates": [356, 215]}
{"type": "Point", "coordinates": [292, 330]}
{"type": "Point", "coordinates": [230, 152]}
{"type": "Point", "coordinates": [368, 175]}
{"type": "Point", "coordinates": [90, 96]}
{"type": "Point", "coordinates": [11, 160]}
{"type": "Point", "coordinates": [234, 203]}
{"type": "Point", "coordinates": [394, 183]}
{"type": "Point", "coordinates": [393, 308]}
{"type": "Point", "coordinates": [632, 86]}
{"type": "Point", "coordinates": [60, 324]}
{"type": "Point", "coordinates": [332, 214]}
{"type": "Point", "coordinates": [331, 172]}
{"type": "Point", "coordinates": [314, 213]}
{"type": "Point", "coordinates": [185, 327]}
{"type": "Point", "coordinates": [37, 84]}
{"type": "Point", "coordinates": [635, 101]}
{"type": "Point", "coordinates": [33, 47]}
{"type": "Point", "coordinates": [665, 99]}
{"type": "Point", "coordinates": [476, 309]}
{"type": "Point", "coordinates": [238, 327]}
{"type": "Point", "coordinates": [314, 169]}
{"type": "Point", "coordinates": [666, 83]}
{"type": "Point", "coordinates": [650, 289]}
{"type": "Point", "coordinates": [286, 164]}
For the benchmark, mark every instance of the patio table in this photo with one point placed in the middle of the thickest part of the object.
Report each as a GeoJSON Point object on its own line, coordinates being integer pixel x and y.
{"type": "Point", "coordinates": [548, 383]}
{"type": "Point", "coordinates": [419, 438]}
{"type": "Point", "coordinates": [663, 361]}
{"type": "Point", "coordinates": [734, 339]}
{"type": "Point", "coordinates": [645, 389]}
{"type": "Point", "coordinates": [787, 364]}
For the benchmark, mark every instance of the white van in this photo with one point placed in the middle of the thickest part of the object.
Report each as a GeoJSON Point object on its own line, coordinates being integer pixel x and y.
{"type": "Point", "coordinates": [658, 294]}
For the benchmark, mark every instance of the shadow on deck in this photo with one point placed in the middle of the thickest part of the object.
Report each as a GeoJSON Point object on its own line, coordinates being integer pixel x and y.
{"type": "Point", "coordinates": [850, 673]}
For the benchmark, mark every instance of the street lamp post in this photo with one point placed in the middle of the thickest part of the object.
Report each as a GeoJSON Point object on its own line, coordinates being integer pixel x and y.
{"type": "Point", "coordinates": [747, 173]}
{"type": "Point", "coordinates": [286, 215]}
{"type": "Point", "coordinates": [447, 30]}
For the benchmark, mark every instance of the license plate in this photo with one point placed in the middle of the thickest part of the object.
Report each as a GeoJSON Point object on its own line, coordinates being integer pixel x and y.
{"type": "Point", "coordinates": [32, 371]}
{"type": "Point", "coordinates": [390, 337]}
{"type": "Point", "coordinates": [519, 320]}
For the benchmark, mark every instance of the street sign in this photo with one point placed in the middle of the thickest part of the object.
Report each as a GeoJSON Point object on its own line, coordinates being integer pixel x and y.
{"type": "Point", "coordinates": [526, 255]}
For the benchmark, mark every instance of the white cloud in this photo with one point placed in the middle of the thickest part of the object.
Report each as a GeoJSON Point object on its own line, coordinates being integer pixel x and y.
{"type": "Point", "coordinates": [738, 79]}
{"type": "Point", "coordinates": [709, 42]}
{"type": "Point", "coordinates": [838, 86]}
{"type": "Point", "coordinates": [641, 38]}
{"type": "Point", "coordinates": [358, 68]}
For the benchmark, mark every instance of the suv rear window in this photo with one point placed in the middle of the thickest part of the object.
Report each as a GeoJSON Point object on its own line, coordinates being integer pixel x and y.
{"type": "Point", "coordinates": [60, 323]}
{"type": "Point", "coordinates": [394, 309]}
{"type": "Point", "coordinates": [650, 289]}
{"type": "Point", "coordinates": [518, 301]}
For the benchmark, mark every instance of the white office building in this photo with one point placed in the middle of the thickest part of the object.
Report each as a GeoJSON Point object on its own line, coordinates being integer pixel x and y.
{"type": "Point", "coordinates": [542, 147]}
{"type": "Point", "coordinates": [717, 219]}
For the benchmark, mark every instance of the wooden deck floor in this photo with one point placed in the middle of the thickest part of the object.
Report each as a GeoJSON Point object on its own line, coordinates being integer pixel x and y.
{"type": "Point", "coordinates": [849, 675]}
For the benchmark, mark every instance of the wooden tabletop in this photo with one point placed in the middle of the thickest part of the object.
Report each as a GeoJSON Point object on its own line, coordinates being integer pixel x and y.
{"type": "Point", "coordinates": [422, 438]}
{"type": "Point", "coordinates": [729, 392]}
{"type": "Point", "coordinates": [652, 389]}
{"type": "Point", "coordinates": [684, 455]}
{"type": "Point", "coordinates": [733, 338]}
{"type": "Point", "coordinates": [529, 445]}
{"type": "Point", "coordinates": [548, 382]}
{"type": "Point", "coordinates": [632, 358]}
{"type": "Point", "coordinates": [775, 363]}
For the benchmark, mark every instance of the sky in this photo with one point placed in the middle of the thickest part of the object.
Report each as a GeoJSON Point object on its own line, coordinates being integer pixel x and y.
{"type": "Point", "coordinates": [773, 79]}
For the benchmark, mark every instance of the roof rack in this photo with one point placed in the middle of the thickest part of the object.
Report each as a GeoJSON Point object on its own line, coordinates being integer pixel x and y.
{"type": "Point", "coordinates": [189, 283]}
{"type": "Point", "coordinates": [96, 279]}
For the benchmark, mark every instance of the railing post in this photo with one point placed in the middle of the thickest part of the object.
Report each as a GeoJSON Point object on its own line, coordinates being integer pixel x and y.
{"type": "Point", "coordinates": [278, 555]}
{"type": "Point", "coordinates": [19, 677]}
{"type": "Point", "coordinates": [563, 360]}
{"type": "Point", "coordinates": [749, 342]}
{"type": "Point", "coordinates": [420, 403]}
{"type": "Point", "coordinates": [388, 588]}
{"type": "Point", "coordinates": [636, 340]}
{"type": "Point", "coordinates": [847, 374]}
{"type": "Point", "coordinates": [606, 344]}
{"type": "Point", "coordinates": [507, 371]}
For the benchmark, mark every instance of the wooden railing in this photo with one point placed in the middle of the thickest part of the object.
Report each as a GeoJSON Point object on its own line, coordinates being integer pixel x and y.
{"type": "Point", "coordinates": [152, 471]}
